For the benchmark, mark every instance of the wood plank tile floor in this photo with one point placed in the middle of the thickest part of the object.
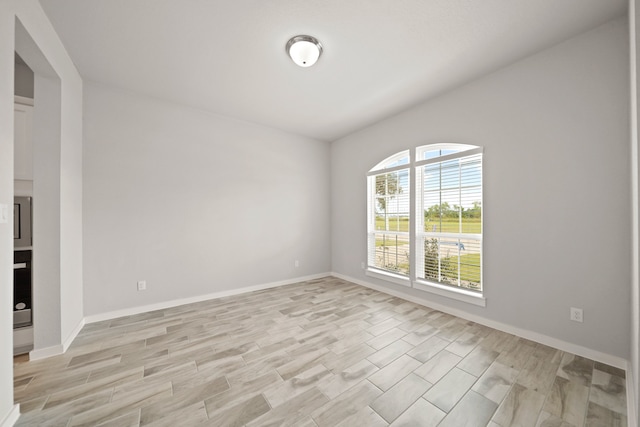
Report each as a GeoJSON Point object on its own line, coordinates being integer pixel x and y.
{"type": "Point", "coordinates": [319, 353]}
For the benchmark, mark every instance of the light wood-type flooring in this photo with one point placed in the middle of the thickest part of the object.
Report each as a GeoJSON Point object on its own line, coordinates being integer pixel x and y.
{"type": "Point", "coordinates": [319, 353]}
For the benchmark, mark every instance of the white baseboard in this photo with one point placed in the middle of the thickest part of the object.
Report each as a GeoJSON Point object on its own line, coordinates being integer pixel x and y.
{"type": "Point", "coordinates": [531, 335]}
{"type": "Point", "coordinates": [10, 419]}
{"type": "Point", "coordinates": [632, 414]}
{"type": "Point", "coordinates": [173, 303]}
{"type": "Point", "coordinates": [56, 350]}
{"type": "Point", "coordinates": [72, 336]}
{"type": "Point", "coordinates": [608, 359]}
{"type": "Point", "coordinates": [43, 353]}
{"type": "Point", "coordinates": [22, 340]}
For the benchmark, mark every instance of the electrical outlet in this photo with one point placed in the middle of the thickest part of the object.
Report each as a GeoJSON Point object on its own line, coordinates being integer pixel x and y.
{"type": "Point", "coordinates": [297, 264]}
{"type": "Point", "coordinates": [362, 265]}
{"type": "Point", "coordinates": [576, 314]}
{"type": "Point", "coordinates": [142, 285]}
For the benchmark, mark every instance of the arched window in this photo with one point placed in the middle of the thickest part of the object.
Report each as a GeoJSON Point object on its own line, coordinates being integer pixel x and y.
{"type": "Point", "coordinates": [431, 236]}
{"type": "Point", "coordinates": [389, 212]}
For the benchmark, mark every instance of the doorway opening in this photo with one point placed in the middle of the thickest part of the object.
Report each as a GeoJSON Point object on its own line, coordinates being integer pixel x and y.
{"type": "Point", "coordinates": [37, 175]}
{"type": "Point", "coordinates": [22, 214]}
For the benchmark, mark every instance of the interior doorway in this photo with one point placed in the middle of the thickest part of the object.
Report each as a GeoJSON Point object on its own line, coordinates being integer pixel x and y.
{"type": "Point", "coordinates": [43, 186]}
{"type": "Point", "coordinates": [23, 196]}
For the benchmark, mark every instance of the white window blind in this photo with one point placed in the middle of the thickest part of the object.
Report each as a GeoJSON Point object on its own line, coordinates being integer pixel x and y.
{"type": "Point", "coordinates": [425, 219]}
{"type": "Point", "coordinates": [449, 218]}
{"type": "Point", "coordinates": [389, 245]}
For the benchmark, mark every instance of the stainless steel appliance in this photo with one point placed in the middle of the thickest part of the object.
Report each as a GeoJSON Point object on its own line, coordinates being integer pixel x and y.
{"type": "Point", "coordinates": [21, 222]}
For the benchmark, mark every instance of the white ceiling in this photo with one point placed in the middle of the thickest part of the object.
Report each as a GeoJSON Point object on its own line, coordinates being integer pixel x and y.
{"type": "Point", "coordinates": [380, 56]}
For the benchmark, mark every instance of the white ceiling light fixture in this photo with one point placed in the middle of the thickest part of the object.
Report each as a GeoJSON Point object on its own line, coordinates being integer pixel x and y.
{"type": "Point", "coordinates": [304, 50]}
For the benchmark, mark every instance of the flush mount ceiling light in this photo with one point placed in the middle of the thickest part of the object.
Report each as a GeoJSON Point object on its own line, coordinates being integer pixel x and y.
{"type": "Point", "coordinates": [304, 50]}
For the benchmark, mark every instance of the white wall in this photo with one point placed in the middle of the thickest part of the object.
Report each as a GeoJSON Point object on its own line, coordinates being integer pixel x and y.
{"type": "Point", "coordinates": [34, 36]}
{"type": "Point", "coordinates": [23, 81]}
{"type": "Point", "coordinates": [633, 374]}
{"type": "Point", "coordinates": [6, 198]}
{"type": "Point", "coordinates": [555, 128]}
{"type": "Point", "coordinates": [195, 203]}
{"type": "Point", "coordinates": [57, 187]}
{"type": "Point", "coordinates": [46, 272]}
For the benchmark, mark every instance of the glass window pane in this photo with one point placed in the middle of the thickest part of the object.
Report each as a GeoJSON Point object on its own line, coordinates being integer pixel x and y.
{"type": "Point", "coordinates": [450, 211]}
{"type": "Point", "coordinates": [404, 222]}
{"type": "Point", "coordinates": [392, 253]}
{"type": "Point", "coordinates": [470, 264]}
{"type": "Point", "coordinates": [449, 205]}
{"type": "Point", "coordinates": [431, 260]}
{"type": "Point", "coordinates": [433, 151]}
{"type": "Point", "coordinates": [397, 159]}
{"type": "Point", "coordinates": [451, 201]}
{"type": "Point", "coordinates": [450, 175]}
{"type": "Point", "coordinates": [392, 201]}
{"type": "Point", "coordinates": [448, 261]}
{"type": "Point", "coordinates": [472, 211]}
{"type": "Point", "coordinates": [431, 175]}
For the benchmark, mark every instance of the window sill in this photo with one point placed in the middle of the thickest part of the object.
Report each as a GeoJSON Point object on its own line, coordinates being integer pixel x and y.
{"type": "Point", "coordinates": [463, 295]}
{"type": "Point", "coordinates": [389, 277]}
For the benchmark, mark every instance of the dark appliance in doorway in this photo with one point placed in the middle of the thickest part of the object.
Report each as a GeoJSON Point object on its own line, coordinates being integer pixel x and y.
{"type": "Point", "coordinates": [22, 289]}
{"type": "Point", "coordinates": [22, 257]}
{"type": "Point", "coordinates": [21, 222]}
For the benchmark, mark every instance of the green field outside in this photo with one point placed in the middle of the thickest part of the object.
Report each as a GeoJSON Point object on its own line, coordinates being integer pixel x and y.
{"type": "Point", "coordinates": [452, 225]}
{"type": "Point", "coordinates": [395, 259]}
{"type": "Point", "coordinates": [469, 267]}
{"type": "Point", "coordinates": [395, 224]}
{"type": "Point", "coordinates": [390, 241]}
{"type": "Point", "coordinates": [392, 257]}
{"type": "Point", "coordinates": [448, 225]}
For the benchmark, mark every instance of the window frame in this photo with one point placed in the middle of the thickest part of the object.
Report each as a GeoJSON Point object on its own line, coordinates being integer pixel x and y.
{"type": "Point", "coordinates": [378, 170]}
{"type": "Point", "coordinates": [416, 220]}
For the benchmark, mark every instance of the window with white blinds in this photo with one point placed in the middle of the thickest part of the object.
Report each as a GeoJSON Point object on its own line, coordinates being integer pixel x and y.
{"type": "Point", "coordinates": [389, 212]}
{"type": "Point", "coordinates": [449, 215]}
{"type": "Point", "coordinates": [425, 217]}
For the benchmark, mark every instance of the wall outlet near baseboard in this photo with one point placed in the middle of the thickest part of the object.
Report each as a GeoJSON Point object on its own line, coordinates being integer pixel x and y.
{"type": "Point", "coordinates": [576, 314]}
{"type": "Point", "coordinates": [142, 285]}
{"type": "Point", "coordinates": [297, 264]}
{"type": "Point", "coordinates": [362, 265]}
